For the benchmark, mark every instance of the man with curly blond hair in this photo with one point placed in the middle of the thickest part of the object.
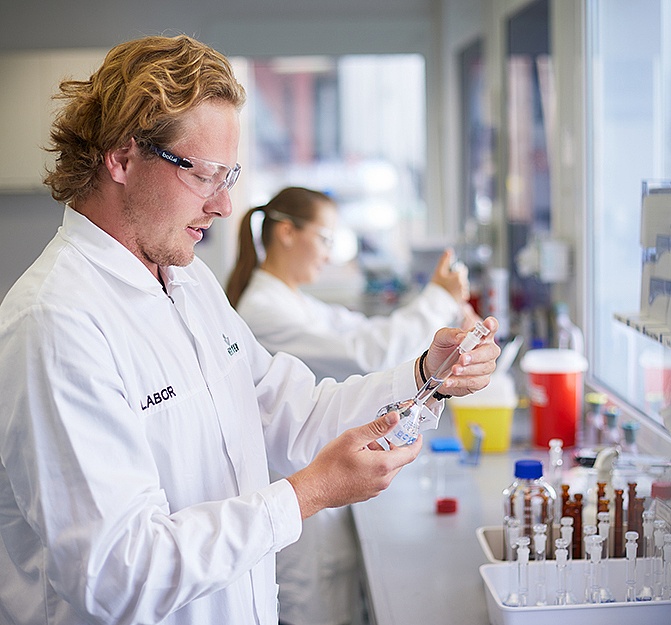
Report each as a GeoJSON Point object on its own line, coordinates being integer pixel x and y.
{"type": "Point", "coordinates": [138, 414]}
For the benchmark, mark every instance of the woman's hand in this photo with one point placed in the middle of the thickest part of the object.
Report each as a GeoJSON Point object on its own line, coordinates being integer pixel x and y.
{"type": "Point", "coordinates": [454, 279]}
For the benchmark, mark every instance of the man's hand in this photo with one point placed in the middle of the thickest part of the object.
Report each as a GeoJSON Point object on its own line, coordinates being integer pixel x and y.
{"type": "Point", "coordinates": [473, 370]}
{"type": "Point", "coordinates": [353, 467]}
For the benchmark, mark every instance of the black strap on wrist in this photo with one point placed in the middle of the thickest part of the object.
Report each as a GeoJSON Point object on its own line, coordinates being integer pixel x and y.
{"type": "Point", "coordinates": [436, 395]}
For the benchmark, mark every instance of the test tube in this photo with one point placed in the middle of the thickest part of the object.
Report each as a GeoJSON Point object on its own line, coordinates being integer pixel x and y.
{"type": "Point", "coordinates": [666, 590]}
{"type": "Point", "coordinates": [561, 560]}
{"type": "Point", "coordinates": [523, 570]}
{"type": "Point", "coordinates": [595, 569]}
{"type": "Point", "coordinates": [630, 552]}
{"type": "Point", "coordinates": [645, 592]}
{"type": "Point", "coordinates": [513, 527]}
{"type": "Point", "coordinates": [587, 532]}
{"type": "Point", "coordinates": [603, 519]}
{"type": "Point", "coordinates": [659, 529]}
{"type": "Point", "coordinates": [540, 541]}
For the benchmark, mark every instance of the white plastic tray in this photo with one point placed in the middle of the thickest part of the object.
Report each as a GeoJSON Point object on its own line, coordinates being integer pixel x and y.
{"type": "Point", "coordinates": [490, 538]}
{"type": "Point", "coordinates": [496, 580]}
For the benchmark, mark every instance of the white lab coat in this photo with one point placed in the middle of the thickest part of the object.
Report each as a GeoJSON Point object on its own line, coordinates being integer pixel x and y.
{"type": "Point", "coordinates": [318, 574]}
{"type": "Point", "coordinates": [136, 430]}
{"type": "Point", "coordinates": [335, 341]}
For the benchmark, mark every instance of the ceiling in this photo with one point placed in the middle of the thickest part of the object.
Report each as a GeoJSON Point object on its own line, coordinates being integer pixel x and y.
{"type": "Point", "coordinates": [36, 24]}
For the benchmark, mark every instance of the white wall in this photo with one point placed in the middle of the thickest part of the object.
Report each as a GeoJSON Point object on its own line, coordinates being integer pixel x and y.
{"type": "Point", "coordinates": [438, 29]}
{"type": "Point", "coordinates": [27, 223]}
{"type": "Point", "coordinates": [236, 27]}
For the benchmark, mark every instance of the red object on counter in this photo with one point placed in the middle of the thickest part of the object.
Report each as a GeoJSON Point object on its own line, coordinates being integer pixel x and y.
{"type": "Point", "coordinates": [446, 505]}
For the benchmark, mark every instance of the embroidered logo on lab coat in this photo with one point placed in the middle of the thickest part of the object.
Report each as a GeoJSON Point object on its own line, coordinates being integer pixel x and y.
{"type": "Point", "coordinates": [232, 347]}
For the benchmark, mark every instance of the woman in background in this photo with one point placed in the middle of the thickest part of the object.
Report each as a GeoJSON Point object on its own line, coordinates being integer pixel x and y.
{"type": "Point", "coordinates": [332, 340]}
{"type": "Point", "coordinates": [318, 578]}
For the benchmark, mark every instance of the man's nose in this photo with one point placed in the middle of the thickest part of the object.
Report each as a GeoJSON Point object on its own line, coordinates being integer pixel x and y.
{"type": "Point", "coordinates": [219, 205]}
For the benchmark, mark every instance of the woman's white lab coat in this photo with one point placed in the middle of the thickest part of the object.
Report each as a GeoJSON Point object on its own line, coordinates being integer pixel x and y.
{"type": "Point", "coordinates": [136, 431]}
{"type": "Point", "coordinates": [335, 341]}
{"type": "Point", "coordinates": [318, 574]}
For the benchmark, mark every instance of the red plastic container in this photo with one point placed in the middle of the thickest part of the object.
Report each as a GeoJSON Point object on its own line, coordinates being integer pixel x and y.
{"type": "Point", "coordinates": [555, 385]}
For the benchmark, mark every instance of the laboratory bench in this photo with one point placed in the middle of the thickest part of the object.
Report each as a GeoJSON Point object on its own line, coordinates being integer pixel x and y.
{"type": "Point", "coordinates": [422, 568]}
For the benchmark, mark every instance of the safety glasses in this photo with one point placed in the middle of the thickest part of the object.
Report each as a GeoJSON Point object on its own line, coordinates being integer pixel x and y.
{"type": "Point", "coordinates": [204, 178]}
{"type": "Point", "coordinates": [325, 235]}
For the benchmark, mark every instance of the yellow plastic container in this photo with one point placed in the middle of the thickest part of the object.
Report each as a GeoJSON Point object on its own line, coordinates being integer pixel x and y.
{"type": "Point", "coordinates": [492, 409]}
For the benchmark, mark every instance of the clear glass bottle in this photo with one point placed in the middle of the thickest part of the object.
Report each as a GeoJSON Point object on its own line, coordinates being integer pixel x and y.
{"type": "Point", "coordinates": [530, 498]}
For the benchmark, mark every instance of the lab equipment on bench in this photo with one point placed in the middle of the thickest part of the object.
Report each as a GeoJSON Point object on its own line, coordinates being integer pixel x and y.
{"type": "Point", "coordinates": [410, 410]}
{"type": "Point", "coordinates": [530, 498]}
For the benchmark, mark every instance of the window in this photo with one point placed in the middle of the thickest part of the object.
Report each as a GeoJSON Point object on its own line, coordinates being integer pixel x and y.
{"type": "Point", "coordinates": [352, 126]}
{"type": "Point", "coordinates": [527, 183]}
{"type": "Point", "coordinates": [630, 142]}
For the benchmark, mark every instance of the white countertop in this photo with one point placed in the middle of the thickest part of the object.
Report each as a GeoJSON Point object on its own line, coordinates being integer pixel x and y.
{"type": "Point", "coordinates": [423, 568]}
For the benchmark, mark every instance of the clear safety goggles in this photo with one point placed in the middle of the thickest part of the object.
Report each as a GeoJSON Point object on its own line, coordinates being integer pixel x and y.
{"type": "Point", "coordinates": [204, 178]}
{"type": "Point", "coordinates": [326, 236]}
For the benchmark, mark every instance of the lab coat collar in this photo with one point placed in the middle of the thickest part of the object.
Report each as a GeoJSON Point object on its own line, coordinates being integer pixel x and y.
{"type": "Point", "coordinates": [106, 252]}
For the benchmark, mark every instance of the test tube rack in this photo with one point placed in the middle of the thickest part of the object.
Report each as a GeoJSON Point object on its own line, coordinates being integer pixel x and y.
{"type": "Point", "coordinates": [496, 580]}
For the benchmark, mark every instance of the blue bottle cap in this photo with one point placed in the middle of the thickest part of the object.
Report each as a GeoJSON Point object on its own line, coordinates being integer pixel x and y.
{"type": "Point", "coordinates": [529, 469]}
{"type": "Point", "coordinates": [448, 444]}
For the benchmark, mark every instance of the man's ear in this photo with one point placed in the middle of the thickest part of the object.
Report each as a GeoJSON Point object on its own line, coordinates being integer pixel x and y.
{"type": "Point", "coordinates": [116, 161]}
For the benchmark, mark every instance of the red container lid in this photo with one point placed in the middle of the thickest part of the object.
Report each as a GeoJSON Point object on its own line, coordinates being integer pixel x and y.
{"type": "Point", "coordinates": [661, 490]}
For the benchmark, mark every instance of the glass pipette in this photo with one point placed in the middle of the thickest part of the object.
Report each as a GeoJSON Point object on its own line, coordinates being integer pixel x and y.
{"type": "Point", "coordinates": [410, 410]}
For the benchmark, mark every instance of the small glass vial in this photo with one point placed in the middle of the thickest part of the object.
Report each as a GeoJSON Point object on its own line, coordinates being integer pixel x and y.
{"type": "Point", "coordinates": [630, 430]}
{"type": "Point", "coordinates": [612, 433]}
{"type": "Point", "coordinates": [594, 419]}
